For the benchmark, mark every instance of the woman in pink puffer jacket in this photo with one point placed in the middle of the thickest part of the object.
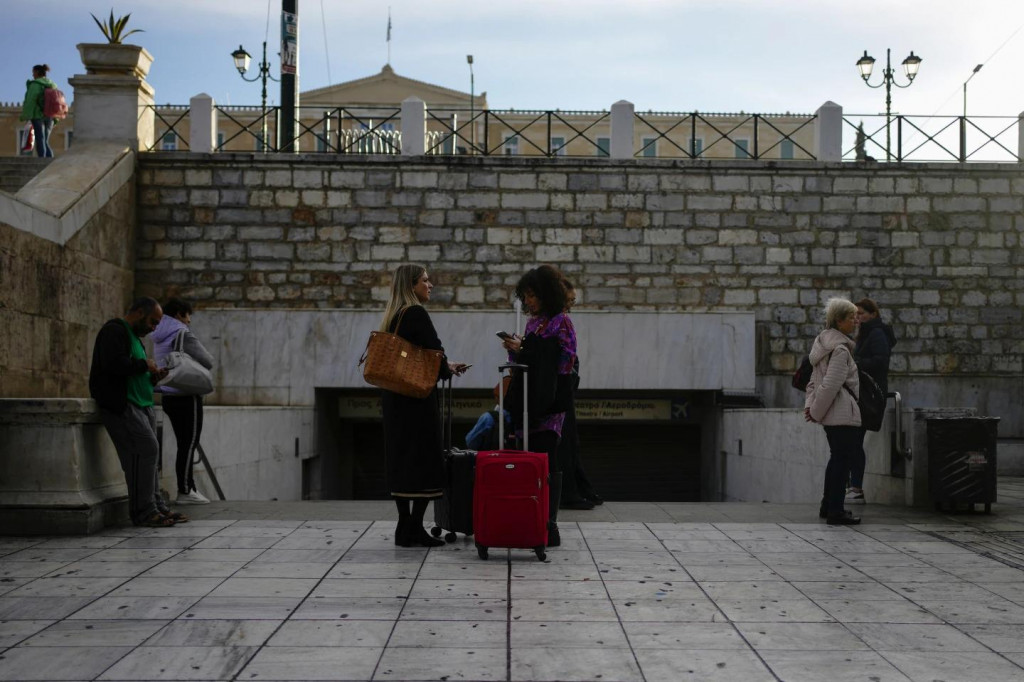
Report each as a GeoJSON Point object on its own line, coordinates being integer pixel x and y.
{"type": "Point", "coordinates": [832, 402]}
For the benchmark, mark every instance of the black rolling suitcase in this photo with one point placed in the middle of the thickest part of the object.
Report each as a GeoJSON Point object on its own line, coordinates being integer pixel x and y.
{"type": "Point", "coordinates": [453, 513]}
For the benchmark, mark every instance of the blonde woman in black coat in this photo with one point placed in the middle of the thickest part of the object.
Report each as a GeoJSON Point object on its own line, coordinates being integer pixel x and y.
{"type": "Point", "coordinates": [412, 426]}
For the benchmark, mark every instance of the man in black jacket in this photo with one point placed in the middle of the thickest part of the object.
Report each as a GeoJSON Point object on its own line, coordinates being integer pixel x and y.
{"type": "Point", "coordinates": [121, 381]}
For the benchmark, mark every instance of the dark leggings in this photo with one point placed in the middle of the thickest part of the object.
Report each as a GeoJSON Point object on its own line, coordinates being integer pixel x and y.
{"type": "Point", "coordinates": [844, 443]}
{"type": "Point", "coordinates": [858, 463]}
{"type": "Point", "coordinates": [419, 508]}
{"type": "Point", "coordinates": [186, 415]}
{"type": "Point", "coordinates": [547, 442]}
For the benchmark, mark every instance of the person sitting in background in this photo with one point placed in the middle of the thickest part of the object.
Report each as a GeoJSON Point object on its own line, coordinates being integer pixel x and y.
{"type": "Point", "coordinates": [484, 435]}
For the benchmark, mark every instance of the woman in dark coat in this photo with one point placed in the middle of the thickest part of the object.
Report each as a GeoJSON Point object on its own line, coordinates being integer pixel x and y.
{"type": "Point", "coordinates": [875, 341]}
{"type": "Point", "coordinates": [412, 426]}
{"type": "Point", "coordinates": [577, 492]}
{"type": "Point", "coordinates": [549, 328]}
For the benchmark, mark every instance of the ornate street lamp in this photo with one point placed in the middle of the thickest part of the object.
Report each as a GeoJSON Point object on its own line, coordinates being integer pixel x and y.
{"type": "Point", "coordinates": [911, 65]}
{"type": "Point", "coordinates": [242, 59]}
{"type": "Point", "coordinates": [472, 98]}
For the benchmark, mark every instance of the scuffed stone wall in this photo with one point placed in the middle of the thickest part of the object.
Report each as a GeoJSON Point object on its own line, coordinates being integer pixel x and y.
{"type": "Point", "coordinates": [54, 299]}
{"type": "Point", "coordinates": [939, 246]}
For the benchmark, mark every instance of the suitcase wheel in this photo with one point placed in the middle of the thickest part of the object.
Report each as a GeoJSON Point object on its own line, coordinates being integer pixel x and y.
{"type": "Point", "coordinates": [450, 536]}
{"type": "Point", "coordinates": [436, 532]}
{"type": "Point", "coordinates": [481, 552]}
{"type": "Point", "coordinates": [541, 554]}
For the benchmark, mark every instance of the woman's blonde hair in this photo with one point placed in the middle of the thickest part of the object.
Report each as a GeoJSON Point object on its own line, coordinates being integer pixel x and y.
{"type": "Point", "coordinates": [402, 283]}
{"type": "Point", "coordinates": [837, 310]}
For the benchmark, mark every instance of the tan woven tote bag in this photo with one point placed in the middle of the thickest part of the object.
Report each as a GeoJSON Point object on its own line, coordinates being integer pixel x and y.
{"type": "Point", "coordinates": [394, 364]}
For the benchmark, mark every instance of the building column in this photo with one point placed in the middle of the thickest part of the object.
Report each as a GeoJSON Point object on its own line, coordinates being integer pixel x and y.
{"type": "Point", "coordinates": [828, 132]}
{"type": "Point", "coordinates": [202, 115]}
{"type": "Point", "coordinates": [622, 126]}
{"type": "Point", "coordinates": [414, 127]}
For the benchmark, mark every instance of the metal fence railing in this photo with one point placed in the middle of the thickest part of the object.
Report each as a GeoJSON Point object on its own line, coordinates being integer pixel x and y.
{"type": "Point", "coordinates": [745, 136]}
{"type": "Point", "coordinates": [555, 133]}
{"type": "Point", "coordinates": [961, 139]}
{"type": "Point", "coordinates": [168, 119]}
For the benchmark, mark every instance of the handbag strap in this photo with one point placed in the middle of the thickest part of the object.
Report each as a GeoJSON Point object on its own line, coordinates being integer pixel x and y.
{"type": "Point", "coordinates": [401, 314]}
{"type": "Point", "coordinates": [366, 350]}
{"type": "Point", "coordinates": [179, 340]}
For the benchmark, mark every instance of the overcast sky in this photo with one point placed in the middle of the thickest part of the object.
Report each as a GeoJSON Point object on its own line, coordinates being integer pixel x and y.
{"type": "Point", "coordinates": [668, 55]}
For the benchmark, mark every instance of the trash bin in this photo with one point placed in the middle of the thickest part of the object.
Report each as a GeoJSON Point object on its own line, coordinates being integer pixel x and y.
{"type": "Point", "coordinates": [962, 461]}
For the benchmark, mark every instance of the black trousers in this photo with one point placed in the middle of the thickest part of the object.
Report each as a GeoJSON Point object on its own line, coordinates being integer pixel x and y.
{"type": "Point", "coordinates": [186, 415]}
{"type": "Point", "coordinates": [575, 484]}
{"type": "Point", "coordinates": [546, 441]}
{"type": "Point", "coordinates": [845, 443]}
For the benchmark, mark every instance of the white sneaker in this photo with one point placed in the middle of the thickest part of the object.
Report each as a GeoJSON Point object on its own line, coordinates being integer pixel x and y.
{"type": "Point", "coordinates": [194, 497]}
{"type": "Point", "coordinates": [854, 497]}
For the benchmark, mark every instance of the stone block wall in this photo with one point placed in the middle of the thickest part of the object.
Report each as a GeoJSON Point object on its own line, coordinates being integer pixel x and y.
{"type": "Point", "coordinates": [53, 300]}
{"type": "Point", "coordinates": [939, 246]}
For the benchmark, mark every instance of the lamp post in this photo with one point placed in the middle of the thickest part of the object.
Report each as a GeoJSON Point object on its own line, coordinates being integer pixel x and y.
{"type": "Point", "coordinates": [472, 102]}
{"type": "Point", "coordinates": [242, 59]}
{"type": "Point", "coordinates": [910, 66]}
{"type": "Point", "coordinates": [973, 74]}
{"type": "Point", "coordinates": [963, 121]}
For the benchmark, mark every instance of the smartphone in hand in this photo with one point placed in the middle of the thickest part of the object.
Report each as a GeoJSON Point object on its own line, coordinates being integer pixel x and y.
{"type": "Point", "coordinates": [503, 335]}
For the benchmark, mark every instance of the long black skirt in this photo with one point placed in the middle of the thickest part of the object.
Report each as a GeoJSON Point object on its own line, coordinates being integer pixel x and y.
{"type": "Point", "coordinates": [412, 445]}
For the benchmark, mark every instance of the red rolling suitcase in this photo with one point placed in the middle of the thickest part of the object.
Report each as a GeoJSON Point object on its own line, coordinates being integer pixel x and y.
{"type": "Point", "coordinates": [510, 498]}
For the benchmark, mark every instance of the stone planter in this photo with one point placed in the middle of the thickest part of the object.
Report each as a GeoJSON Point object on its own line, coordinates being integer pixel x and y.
{"type": "Point", "coordinates": [108, 59]}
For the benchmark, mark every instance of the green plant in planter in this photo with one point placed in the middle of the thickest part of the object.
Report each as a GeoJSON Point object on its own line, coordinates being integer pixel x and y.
{"type": "Point", "coordinates": [113, 29]}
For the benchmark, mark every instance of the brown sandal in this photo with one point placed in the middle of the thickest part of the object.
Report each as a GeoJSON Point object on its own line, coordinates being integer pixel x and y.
{"type": "Point", "coordinates": [156, 520]}
{"type": "Point", "coordinates": [176, 517]}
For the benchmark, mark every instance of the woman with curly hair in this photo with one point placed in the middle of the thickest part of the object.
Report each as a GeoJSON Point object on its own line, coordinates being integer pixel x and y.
{"type": "Point", "coordinates": [549, 349]}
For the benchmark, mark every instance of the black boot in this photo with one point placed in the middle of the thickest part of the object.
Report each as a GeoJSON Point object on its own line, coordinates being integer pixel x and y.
{"type": "Point", "coordinates": [401, 530]}
{"type": "Point", "coordinates": [554, 497]}
{"type": "Point", "coordinates": [415, 533]}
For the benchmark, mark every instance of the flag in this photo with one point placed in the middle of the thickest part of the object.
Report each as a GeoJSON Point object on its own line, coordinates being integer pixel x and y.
{"type": "Point", "coordinates": [389, 24]}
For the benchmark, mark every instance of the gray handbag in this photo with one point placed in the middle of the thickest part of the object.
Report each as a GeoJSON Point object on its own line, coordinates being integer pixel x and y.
{"type": "Point", "coordinates": [185, 373]}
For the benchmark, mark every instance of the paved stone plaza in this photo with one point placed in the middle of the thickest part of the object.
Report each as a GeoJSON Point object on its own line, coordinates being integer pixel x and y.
{"type": "Point", "coordinates": [308, 591]}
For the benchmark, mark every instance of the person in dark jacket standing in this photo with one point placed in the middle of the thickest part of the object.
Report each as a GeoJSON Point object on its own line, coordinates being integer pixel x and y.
{"type": "Point", "coordinates": [121, 381]}
{"type": "Point", "coordinates": [875, 341]}
{"type": "Point", "coordinates": [412, 426]}
{"type": "Point", "coordinates": [32, 108]}
{"type": "Point", "coordinates": [577, 492]}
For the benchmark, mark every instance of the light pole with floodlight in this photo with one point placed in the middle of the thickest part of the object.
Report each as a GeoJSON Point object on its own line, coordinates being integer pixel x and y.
{"type": "Point", "coordinates": [242, 59]}
{"type": "Point", "coordinates": [910, 66]}
{"type": "Point", "coordinates": [472, 98]}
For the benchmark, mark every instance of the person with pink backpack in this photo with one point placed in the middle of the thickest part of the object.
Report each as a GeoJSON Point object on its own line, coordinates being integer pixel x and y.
{"type": "Point", "coordinates": [34, 108]}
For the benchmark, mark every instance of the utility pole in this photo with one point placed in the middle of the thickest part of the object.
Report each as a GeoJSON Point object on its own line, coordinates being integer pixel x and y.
{"type": "Point", "coordinates": [289, 74]}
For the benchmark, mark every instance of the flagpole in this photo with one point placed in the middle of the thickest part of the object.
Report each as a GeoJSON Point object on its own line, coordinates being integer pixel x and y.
{"type": "Point", "coordinates": [389, 35]}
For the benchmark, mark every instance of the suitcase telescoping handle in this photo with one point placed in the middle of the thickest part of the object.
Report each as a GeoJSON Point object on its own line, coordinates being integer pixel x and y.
{"type": "Point", "coordinates": [446, 409]}
{"type": "Point", "coordinates": [501, 404]}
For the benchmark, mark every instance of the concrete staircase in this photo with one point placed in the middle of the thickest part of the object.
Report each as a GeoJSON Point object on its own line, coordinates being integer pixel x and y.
{"type": "Point", "coordinates": [16, 171]}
